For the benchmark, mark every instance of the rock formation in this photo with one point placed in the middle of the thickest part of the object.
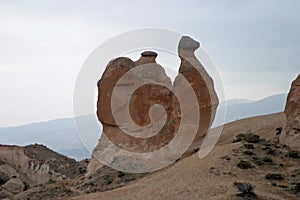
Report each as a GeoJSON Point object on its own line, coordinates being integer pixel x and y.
{"type": "Point", "coordinates": [139, 103]}
{"type": "Point", "coordinates": [291, 133]}
{"type": "Point", "coordinates": [202, 84]}
{"type": "Point", "coordinates": [26, 167]}
{"type": "Point", "coordinates": [139, 107]}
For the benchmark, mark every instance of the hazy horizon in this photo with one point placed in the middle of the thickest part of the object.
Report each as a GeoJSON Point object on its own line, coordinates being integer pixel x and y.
{"type": "Point", "coordinates": [71, 116]}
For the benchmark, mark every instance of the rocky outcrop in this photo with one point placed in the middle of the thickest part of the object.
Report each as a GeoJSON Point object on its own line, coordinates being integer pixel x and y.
{"type": "Point", "coordinates": [22, 168]}
{"type": "Point", "coordinates": [291, 133]}
{"type": "Point", "coordinates": [115, 88]}
{"type": "Point", "coordinates": [192, 70]}
{"type": "Point", "coordinates": [141, 111]}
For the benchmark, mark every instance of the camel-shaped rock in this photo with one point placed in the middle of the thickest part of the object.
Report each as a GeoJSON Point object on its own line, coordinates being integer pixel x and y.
{"type": "Point", "coordinates": [141, 111]}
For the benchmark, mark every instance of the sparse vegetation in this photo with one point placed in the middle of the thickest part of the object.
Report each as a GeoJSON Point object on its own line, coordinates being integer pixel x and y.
{"type": "Point", "coordinates": [294, 154]}
{"type": "Point", "coordinates": [278, 130]}
{"type": "Point", "coordinates": [269, 155]}
{"type": "Point", "coordinates": [249, 146]}
{"type": "Point", "coordinates": [297, 187]}
{"type": "Point", "coordinates": [257, 161]}
{"type": "Point", "coordinates": [274, 176]}
{"type": "Point", "coordinates": [244, 164]}
{"type": "Point", "coordinates": [246, 190]}
{"type": "Point", "coordinates": [267, 160]}
{"type": "Point", "coordinates": [248, 137]}
{"type": "Point", "coordinates": [248, 153]}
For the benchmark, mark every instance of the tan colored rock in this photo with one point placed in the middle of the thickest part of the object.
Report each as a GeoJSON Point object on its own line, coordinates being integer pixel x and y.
{"type": "Point", "coordinates": [14, 186]}
{"type": "Point", "coordinates": [114, 71]}
{"type": "Point", "coordinates": [135, 87]}
{"type": "Point", "coordinates": [139, 101]}
{"type": "Point", "coordinates": [202, 84]}
{"type": "Point", "coordinates": [141, 111]}
{"type": "Point", "coordinates": [291, 134]}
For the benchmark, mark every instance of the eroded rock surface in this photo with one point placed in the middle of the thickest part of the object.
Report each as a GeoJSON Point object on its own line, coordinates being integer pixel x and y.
{"type": "Point", "coordinates": [121, 82]}
{"type": "Point", "coordinates": [291, 134]}
{"type": "Point", "coordinates": [22, 168]}
{"type": "Point", "coordinates": [202, 84]}
{"type": "Point", "coordinates": [141, 111]}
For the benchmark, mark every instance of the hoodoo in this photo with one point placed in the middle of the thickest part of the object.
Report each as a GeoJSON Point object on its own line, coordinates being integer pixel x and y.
{"type": "Point", "coordinates": [139, 107]}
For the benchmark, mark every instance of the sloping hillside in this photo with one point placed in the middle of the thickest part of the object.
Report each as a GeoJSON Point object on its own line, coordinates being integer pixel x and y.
{"type": "Point", "coordinates": [22, 168]}
{"type": "Point", "coordinates": [213, 177]}
{"type": "Point", "coordinates": [248, 152]}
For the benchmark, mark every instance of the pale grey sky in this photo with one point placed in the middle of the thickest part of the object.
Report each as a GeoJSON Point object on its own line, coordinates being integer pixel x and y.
{"type": "Point", "coordinates": [254, 44]}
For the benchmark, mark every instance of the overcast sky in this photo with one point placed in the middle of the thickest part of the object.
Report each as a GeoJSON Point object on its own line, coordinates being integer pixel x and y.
{"type": "Point", "coordinates": [255, 46]}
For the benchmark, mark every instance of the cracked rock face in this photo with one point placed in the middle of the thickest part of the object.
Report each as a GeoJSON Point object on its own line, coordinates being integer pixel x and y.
{"type": "Point", "coordinates": [154, 113]}
{"type": "Point", "coordinates": [291, 134]}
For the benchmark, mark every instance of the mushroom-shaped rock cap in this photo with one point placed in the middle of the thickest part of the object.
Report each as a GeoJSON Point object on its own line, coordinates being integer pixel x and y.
{"type": "Point", "coordinates": [149, 54]}
{"type": "Point", "coordinates": [188, 44]}
{"type": "Point", "coordinates": [146, 58]}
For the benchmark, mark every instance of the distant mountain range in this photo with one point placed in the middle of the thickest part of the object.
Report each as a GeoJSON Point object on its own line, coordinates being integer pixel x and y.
{"type": "Point", "coordinates": [61, 134]}
{"type": "Point", "coordinates": [236, 109]}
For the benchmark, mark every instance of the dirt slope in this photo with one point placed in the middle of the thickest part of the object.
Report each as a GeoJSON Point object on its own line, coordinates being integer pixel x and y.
{"type": "Point", "coordinates": [213, 176]}
{"type": "Point", "coordinates": [22, 168]}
